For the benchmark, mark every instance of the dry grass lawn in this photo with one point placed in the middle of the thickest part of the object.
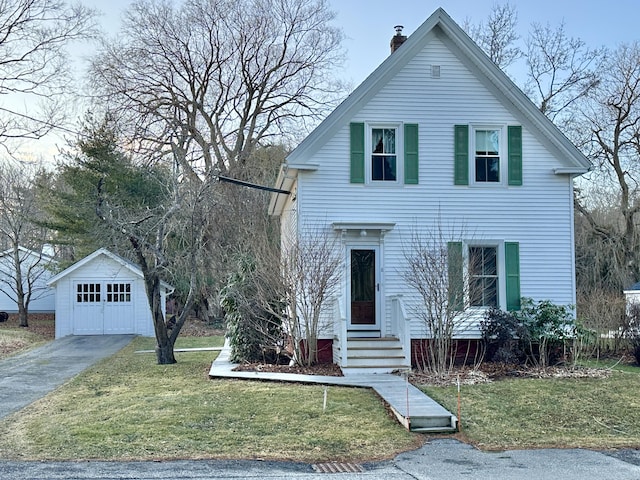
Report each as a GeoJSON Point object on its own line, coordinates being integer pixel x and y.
{"type": "Point", "coordinates": [127, 407]}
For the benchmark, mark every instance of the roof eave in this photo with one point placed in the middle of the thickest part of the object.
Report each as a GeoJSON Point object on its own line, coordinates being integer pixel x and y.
{"type": "Point", "coordinates": [287, 177]}
{"type": "Point", "coordinates": [570, 170]}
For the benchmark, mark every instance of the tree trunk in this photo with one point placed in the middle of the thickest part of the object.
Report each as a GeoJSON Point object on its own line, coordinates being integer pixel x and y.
{"type": "Point", "coordinates": [20, 295]}
{"type": "Point", "coordinates": [23, 315]}
{"type": "Point", "coordinates": [164, 354]}
{"type": "Point", "coordinates": [164, 341]}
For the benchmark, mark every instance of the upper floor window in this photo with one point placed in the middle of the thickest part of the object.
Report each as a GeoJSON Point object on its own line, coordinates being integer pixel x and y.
{"type": "Point", "coordinates": [383, 154]}
{"type": "Point", "coordinates": [487, 155]}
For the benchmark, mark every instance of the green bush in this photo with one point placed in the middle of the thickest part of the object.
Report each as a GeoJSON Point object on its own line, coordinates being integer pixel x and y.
{"type": "Point", "coordinates": [501, 334]}
{"type": "Point", "coordinates": [254, 333]}
{"type": "Point", "coordinates": [538, 333]}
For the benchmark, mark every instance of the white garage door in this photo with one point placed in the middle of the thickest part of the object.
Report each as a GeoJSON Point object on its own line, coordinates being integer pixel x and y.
{"type": "Point", "coordinates": [103, 308]}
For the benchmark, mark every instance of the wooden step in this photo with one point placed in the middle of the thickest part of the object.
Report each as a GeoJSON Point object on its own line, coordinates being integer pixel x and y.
{"type": "Point", "coordinates": [374, 355]}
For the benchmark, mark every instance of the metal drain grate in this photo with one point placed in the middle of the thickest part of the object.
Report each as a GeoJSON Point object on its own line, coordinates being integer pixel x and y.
{"type": "Point", "coordinates": [335, 467]}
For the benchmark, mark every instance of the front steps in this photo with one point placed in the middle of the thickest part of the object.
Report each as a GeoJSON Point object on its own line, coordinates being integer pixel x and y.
{"type": "Point", "coordinates": [374, 355]}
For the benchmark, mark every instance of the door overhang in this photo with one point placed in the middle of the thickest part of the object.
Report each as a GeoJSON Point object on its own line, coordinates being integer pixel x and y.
{"type": "Point", "coordinates": [363, 228]}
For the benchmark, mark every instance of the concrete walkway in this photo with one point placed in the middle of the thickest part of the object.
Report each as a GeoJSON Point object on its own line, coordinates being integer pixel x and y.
{"type": "Point", "coordinates": [413, 408]}
{"type": "Point", "coordinates": [31, 375]}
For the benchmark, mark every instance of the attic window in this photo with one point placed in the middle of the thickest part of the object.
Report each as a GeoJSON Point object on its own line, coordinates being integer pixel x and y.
{"type": "Point", "coordinates": [435, 71]}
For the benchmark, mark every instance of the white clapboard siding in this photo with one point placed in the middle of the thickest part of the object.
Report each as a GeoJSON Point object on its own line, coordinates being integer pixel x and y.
{"type": "Point", "coordinates": [537, 214]}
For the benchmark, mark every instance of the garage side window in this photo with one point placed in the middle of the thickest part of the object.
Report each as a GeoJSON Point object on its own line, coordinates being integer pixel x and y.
{"type": "Point", "coordinates": [118, 292]}
{"type": "Point", "coordinates": [88, 292]}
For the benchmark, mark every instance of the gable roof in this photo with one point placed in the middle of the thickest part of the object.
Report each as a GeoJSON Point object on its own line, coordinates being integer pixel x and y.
{"type": "Point", "coordinates": [133, 268]}
{"type": "Point", "coordinates": [442, 26]}
{"type": "Point", "coordinates": [44, 256]}
{"type": "Point", "coordinates": [633, 288]}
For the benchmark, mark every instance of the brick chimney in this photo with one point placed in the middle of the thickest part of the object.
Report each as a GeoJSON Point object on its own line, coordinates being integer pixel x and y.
{"type": "Point", "coordinates": [398, 39]}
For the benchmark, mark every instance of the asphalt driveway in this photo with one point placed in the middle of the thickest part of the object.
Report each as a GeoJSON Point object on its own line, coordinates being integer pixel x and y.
{"type": "Point", "coordinates": [28, 377]}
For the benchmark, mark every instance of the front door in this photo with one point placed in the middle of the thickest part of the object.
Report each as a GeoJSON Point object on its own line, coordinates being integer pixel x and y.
{"type": "Point", "coordinates": [364, 289]}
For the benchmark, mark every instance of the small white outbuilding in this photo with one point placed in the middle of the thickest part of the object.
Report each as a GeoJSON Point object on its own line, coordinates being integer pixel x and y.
{"type": "Point", "coordinates": [36, 270]}
{"type": "Point", "coordinates": [103, 294]}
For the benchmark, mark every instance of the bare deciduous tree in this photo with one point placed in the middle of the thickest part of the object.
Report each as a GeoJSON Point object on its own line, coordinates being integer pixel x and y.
{"type": "Point", "coordinates": [441, 275]}
{"type": "Point", "coordinates": [150, 214]}
{"type": "Point", "coordinates": [34, 68]}
{"type": "Point", "coordinates": [225, 75]}
{"type": "Point", "coordinates": [19, 213]}
{"type": "Point", "coordinates": [610, 124]}
{"type": "Point", "coordinates": [150, 233]}
{"type": "Point", "coordinates": [497, 37]}
{"type": "Point", "coordinates": [560, 69]}
{"type": "Point", "coordinates": [307, 282]}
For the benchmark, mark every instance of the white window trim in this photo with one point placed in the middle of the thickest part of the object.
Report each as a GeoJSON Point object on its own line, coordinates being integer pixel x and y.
{"type": "Point", "coordinates": [503, 154]}
{"type": "Point", "coordinates": [502, 274]}
{"type": "Point", "coordinates": [398, 126]}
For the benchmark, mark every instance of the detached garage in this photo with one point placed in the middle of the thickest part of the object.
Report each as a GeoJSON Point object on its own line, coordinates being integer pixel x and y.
{"type": "Point", "coordinates": [103, 294]}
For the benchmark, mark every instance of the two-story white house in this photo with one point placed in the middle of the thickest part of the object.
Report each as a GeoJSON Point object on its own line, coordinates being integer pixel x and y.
{"type": "Point", "coordinates": [436, 135]}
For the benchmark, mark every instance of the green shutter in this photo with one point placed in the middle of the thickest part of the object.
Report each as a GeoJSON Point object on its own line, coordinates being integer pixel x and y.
{"type": "Point", "coordinates": [515, 154]}
{"type": "Point", "coordinates": [456, 277]}
{"type": "Point", "coordinates": [357, 153]}
{"type": "Point", "coordinates": [461, 154]}
{"type": "Point", "coordinates": [512, 270]}
{"type": "Point", "coordinates": [411, 165]}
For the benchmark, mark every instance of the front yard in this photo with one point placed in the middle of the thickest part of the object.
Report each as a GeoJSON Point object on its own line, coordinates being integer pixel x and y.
{"type": "Point", "coordinates": [513, 413]}
{"type": "Point", "coordinates": [127, 407]}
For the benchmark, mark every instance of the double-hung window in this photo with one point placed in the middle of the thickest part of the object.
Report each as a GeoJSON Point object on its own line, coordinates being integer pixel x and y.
{"type": "Point", "coordinates": [487, 155]}
{"type": "Point", "coordinates": [384, 164]}
{"type": "Point", "coordinates": [483, 276]}
{"type": "Point", "coordinates": [384, 153]}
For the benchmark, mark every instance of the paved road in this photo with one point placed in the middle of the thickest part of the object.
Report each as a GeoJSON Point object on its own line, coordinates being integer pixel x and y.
{"type": "Point", "coordinates": [28, 377]}
{"type": "Point", "coordinates": [438, 460]}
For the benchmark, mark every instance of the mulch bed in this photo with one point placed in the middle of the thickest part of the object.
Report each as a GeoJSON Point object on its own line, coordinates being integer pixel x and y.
{"type": "Point", "coordinates": [327, 369]}
{"type": "Point", "coordinates": [489, 372]}
{"type": "Point", "coordinates": [485, 373]}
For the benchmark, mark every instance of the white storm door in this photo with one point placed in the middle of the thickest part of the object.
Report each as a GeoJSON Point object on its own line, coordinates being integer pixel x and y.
{"type": "Point", "coordinates": [87, 308]}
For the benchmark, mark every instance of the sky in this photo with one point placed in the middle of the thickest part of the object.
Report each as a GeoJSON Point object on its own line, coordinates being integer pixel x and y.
{"type": "Point", "coordinates": [369, 25]}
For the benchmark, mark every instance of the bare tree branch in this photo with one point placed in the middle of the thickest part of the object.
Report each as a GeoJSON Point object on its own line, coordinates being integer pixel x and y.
{"type": "Point", "coordinates": [225, 74]}
{"type": "Point", "coordinates": [34, 68]}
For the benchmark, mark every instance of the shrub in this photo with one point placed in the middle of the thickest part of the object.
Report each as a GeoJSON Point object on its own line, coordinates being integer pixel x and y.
{"type": "Point", "coordinates": [537, 333]}
{"type": "Point", "coordinates": [549, 327]}
{"type": "Point", "coordinates": [254, 333]}
{"type": "Point", "coordinates": [501, 334]}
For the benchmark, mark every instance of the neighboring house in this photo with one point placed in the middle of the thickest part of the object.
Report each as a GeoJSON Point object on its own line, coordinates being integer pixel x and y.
{"type": "Point", "coordinates": [35, 271]}
{"type": "Point", "coordinates": [103, 294]}
{"type": "Point", "coordinates": [632, 295]}
{"type": "Point", "coordinates": [436, 137]}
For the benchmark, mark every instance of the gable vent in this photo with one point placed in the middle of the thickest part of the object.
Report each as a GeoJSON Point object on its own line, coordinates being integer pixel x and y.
{"type": "Point", "coordinates": [435, 71]}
